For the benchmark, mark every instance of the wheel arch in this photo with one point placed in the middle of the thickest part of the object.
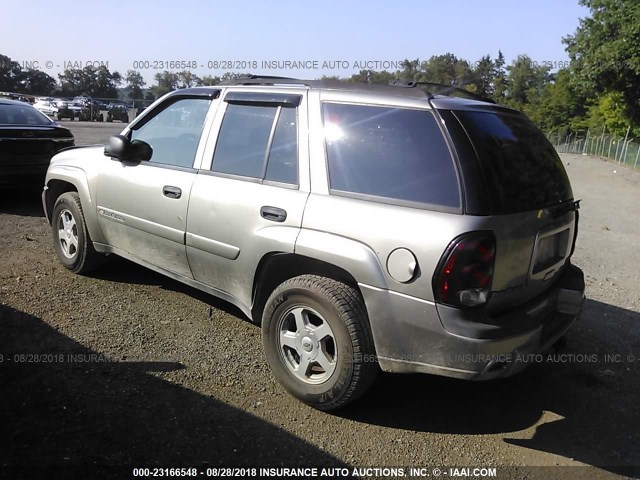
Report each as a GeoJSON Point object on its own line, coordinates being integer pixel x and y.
{"type": "Point", "coordinates": [53, 190]}
{"type": "Point", "coordinates": [275, 268]}
{"type": "Point", "coordinates": [62, 179]}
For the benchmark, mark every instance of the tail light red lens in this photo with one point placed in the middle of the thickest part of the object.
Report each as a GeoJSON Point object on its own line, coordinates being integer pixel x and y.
{"type": "Point", "coordinates": [464, 274]}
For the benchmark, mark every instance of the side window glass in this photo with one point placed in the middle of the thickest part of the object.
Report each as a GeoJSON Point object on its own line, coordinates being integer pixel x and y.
{"type": "Point", "coordinates": [243, 140]}
{"type": "Point", "coordinates": [259, 142]}
{"type": "Point", "coordinates": [174, 133]}
{"type": "Point", "coordinates": [283, 157]}
{"type": "Point", "coordinates": [394, 153]}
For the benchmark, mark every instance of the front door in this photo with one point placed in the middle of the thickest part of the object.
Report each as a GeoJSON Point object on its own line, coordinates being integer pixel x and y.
{"type": "Point", "coordinates": [142, 206]}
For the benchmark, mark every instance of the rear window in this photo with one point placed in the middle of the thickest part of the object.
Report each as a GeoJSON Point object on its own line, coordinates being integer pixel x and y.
{"type": "Point", "coordinates": [22, 115]}
{"type": "Point", "coordinates": [521, 167]}
{"type": "Point", "coordinates": [390, 153]}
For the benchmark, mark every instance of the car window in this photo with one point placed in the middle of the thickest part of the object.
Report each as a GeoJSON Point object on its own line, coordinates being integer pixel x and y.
{"type": "Point", "coordinates": [22, 115]}
{"type": "Point", "coordinates": [394, 153]}
{"type": "Point", "coordinates": [247, 132]}
{"type": "Point", "coordinates": [521, 167]}
{"type": "Point", "coordinates": [283, 156]}
{"type": "Point", "coordinates": [174, 132]}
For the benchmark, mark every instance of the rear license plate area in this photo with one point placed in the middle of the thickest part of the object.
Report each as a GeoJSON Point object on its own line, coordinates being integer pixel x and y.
{"type": "Point", "coordinates": [551, 250]}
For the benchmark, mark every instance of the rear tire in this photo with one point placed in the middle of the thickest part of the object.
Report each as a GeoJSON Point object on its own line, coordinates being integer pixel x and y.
{"type": "Point", "coordinates": [70, 236]}
{"type": "Point", "coordinates": [317, 341]}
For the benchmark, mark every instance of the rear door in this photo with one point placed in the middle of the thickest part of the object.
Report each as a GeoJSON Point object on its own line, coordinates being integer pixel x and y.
{"type": "Point", "coordinates": [249, 195]}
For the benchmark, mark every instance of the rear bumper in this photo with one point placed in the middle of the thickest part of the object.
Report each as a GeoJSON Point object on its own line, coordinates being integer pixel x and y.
{"type": "Point", "coordinates": [410, 336]}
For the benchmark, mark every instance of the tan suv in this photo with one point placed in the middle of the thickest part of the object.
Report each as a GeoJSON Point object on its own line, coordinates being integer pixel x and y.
{"type": "Point", "coordinates": [364, 227]}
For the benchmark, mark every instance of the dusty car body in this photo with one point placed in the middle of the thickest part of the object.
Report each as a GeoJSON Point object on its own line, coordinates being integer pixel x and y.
{"type": "Point", "coordinates": [364, 227]}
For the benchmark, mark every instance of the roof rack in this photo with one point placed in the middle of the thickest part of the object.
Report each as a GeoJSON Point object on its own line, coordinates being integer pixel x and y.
{"type": "Point", "coordinates": [266, 80]}
{"type": "Point", "coordinates": [408, 88]}
{"type": "Point", "coordinates": [328, 84]}
{"type": "Point", "coordinates": [443, 89]}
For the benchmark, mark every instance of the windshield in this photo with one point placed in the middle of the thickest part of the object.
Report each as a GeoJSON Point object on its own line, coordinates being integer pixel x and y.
{"type": "Point", "coordinates": [521, 167]}
{"type": "Point", "coordinates": [22, 115]}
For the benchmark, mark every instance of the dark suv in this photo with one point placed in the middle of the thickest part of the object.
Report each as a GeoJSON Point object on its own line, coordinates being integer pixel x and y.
{"type": "Point", "coordinates": [364, 227]}
{"type": "Point", "coordinates": [91, 112]}
{"type": "Point", "coordinates": [117, 111]}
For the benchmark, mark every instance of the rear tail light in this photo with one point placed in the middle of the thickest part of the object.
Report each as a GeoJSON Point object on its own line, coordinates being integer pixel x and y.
{"type": "Point", "coordinates": [464, 274]}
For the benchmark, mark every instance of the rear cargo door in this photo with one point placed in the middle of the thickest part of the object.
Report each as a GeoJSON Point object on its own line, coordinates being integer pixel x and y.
{"type": "Point", "coordinates": [533, 213]}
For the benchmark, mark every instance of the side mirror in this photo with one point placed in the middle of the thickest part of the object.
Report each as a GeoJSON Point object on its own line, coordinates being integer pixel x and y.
{"type": "Point", "coordinates": [121, 148]}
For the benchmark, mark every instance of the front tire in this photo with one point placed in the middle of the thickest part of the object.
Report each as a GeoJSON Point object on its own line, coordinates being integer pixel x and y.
{"type": "Point", "coordinates": [317, 341]}
{"type": "Point", "coordinates": [70, 236]}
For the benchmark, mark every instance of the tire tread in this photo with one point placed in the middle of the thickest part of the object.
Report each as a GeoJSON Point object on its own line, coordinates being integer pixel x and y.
{"type": "Point", "coordinates": [90, 259]}
{"type": "Point", "coordinates": [350, 305]}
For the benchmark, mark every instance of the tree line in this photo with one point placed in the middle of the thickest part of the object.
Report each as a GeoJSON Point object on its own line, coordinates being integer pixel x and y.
{"type": "Point", "coordinates": [596, 89]}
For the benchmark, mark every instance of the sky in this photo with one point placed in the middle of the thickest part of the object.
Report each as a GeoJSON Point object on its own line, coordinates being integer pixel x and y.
{"type": "Point", "coordinates": [326, 38]}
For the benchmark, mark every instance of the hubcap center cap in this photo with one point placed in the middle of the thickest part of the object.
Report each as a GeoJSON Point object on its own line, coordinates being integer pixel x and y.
{"type": "Point", "coordinates": [307, 344]}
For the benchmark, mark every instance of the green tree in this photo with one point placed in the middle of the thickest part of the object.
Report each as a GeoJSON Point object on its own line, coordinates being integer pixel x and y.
{"type": "Point", "coordinates": [500, 83]}
{"type": "Point", "coordinates": [557, 105]}
{"type": "Point", "coordinates": [372, 76]}
{"type": "Point", "coordinates": [609, 114]}
{"type": "Point", "coordinates": [165, 83]}
{"type": "Point", "coordinates": [36, 82]}
{"type": "Point", "coordinates": [484, 75]}
{"type": "Point", "coordinates": [234, 75]}
{"type": "Point", "coordinates": [605, 54]}
{"type": "Point", "coordinates": [95, 82]}
{"type": "Point", "coordinates": [410, 70]}
{"type": "Point", "coordinates": [187, 79]}
{"type": "Point", "coordinates": [106, 83]}
{"type": "Point", "coordinates": [209, 80]}
{"type": "Point", "coordinates": [525, 82]}
{"type": "Point", "coordinates": [10, 74]}
{"type": "Point", "coordinates": [72, 82]}
{"type": "Point", "coordinates": [135, 84]}
{"type": "Point", "coordinates": [446, 69]}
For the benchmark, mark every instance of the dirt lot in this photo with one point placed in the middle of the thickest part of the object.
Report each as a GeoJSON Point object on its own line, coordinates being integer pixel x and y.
{"type": "Point", "coordinates": [126, 367]}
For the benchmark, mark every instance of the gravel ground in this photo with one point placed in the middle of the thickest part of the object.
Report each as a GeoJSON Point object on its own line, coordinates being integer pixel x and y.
{"type": "Point", "coordinates": [126, 367]}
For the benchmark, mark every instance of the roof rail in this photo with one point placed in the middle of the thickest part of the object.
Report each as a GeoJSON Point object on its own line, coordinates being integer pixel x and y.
{"type": "Point", "coordinates": [264, 80]}
{"type": "Point", "coordinates": [408, 87]}
{"type": "Point", "coordinates": [326, 83]}
{"type": "Point", "coordinates": [447, 90]}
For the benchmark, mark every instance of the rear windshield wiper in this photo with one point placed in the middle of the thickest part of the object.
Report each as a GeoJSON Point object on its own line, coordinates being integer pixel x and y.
{"type": "Point", "coordinates": [568, 206]}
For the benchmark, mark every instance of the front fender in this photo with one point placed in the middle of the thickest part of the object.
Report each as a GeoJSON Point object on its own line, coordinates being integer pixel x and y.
{"type": "Point", "coordinates": [76, 177]}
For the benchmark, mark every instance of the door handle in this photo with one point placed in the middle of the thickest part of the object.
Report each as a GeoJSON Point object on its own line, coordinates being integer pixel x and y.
{"type": "Point", "coordinates": [274, 214]}
{"type": "Point", "coordinates": [171, 192]}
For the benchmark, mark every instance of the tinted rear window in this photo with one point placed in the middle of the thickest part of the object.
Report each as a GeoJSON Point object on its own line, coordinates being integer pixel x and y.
{"type": "Point", "coordinates": [22, 115]}
{"type": "Point", "coordinates": [521, 167]}
{"type": "Point", "coordinates": [393, 153]}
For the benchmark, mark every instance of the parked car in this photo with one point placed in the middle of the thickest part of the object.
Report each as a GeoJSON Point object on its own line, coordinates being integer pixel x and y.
{"type": "Point", "coordinates": [365, 227]}
{"type": "Point", "coordinates": [91, 112]}
{"type": "Point", "coordinates": [101, 105]}
{"type": "Point", "coordinates": [47, 107]}
{"type": "Point", "coordinates": [28, 140]}
{"type": "Point", "coordinates": [118, 111]}
{"type": "Point", "coordinates": [81, 100]}
{"type": "Point", "coordinates": [67, 109]}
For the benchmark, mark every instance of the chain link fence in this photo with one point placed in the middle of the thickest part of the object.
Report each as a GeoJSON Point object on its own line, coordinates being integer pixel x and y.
{"type": "Point", "coordinates": [619, 149]}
